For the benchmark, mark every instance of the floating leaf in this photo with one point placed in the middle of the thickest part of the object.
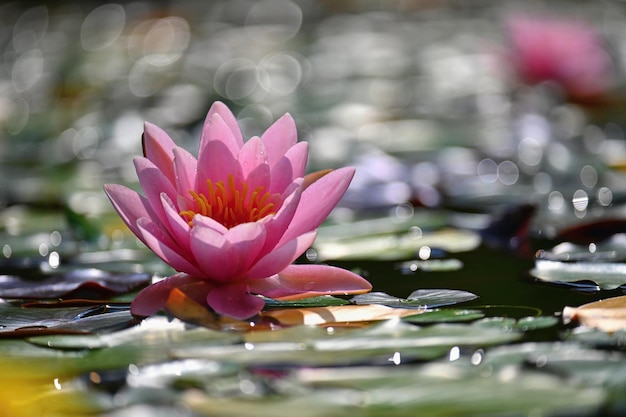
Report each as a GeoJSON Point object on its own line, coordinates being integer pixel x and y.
{"type": "Point", "coordinates": [432, 265]}
{"type": "Point", "coordinates": [381, 226]}
{"type": "Point", "coordinates": [377, 343]}
{"type": "Point", "coordinates": [608, 276]}
{"type": "Point", "coordinates": [320, 301]}
{"type": "Point", "coordinates": [336, 314]}
{"type": "Point", "coordinates": [16, 321]}
{"type": "Point", "coordinates": [417, 299]}
{"type": "Point", "coordinates": [445, 316]}
{"type": "Point", "coordinates": [522, 324]}
{"type": "Point", "coordinates": [611, 250]}
{"type": "Point", "coordinates": [608, 315]}
{"type": "Point", "coordinates": [509, 228]}
{"type": "Point", "coordinates": [79, 283]}
{"type": "Point", "coordinates": [595, 337]}
{"type": "Point", "coordinates": [536, 322]}
{"type": "Point", "coordinates": [148, 343]}
{"type": "Point", "coordinates": [163, 375]}
{"type": "Point", "coordinates": [592, 232]}
{"type": "Point", "coordinates": [395, 247]}
{"type": "Point", "coordinates": [186, 309]}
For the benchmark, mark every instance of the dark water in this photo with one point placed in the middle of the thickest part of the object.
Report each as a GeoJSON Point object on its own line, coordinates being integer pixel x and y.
{"type": "Point", "coordinates": [501, 281]}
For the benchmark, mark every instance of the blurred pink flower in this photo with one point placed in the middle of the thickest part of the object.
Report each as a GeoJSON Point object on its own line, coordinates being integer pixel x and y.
{"type": "Point", "coordinates": [233, 221]}
{"type": "Point", "coordinates": [567, 52]}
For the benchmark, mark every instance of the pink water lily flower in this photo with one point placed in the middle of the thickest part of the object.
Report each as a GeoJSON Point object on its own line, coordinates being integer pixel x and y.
{"type": "Point", "coordinates": [566, 51]}
{"type": "Point", "coordinates": [234, 220]}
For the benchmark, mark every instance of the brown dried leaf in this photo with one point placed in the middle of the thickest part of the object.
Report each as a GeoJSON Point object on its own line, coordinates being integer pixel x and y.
{"type": "Point", "coordinates": [339, 314]}
{"type": "Point", "coordinates": [186, 309]}
{"type": "Point", "coordinates": [607, 315]}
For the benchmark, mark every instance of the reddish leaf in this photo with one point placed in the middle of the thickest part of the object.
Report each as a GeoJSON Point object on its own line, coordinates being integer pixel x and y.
{"type": "Point", "coordinates": [80, 283]}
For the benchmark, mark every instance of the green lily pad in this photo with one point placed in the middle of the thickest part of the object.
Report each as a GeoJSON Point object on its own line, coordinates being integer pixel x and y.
{"type": "Point", "coordinates": [522, 324]}
{"type": "Point", "coordinates": [24, 322]}
{"type": "Point", "coordinates": [320, 301]}
{"type": "Point", "coordinates": [607, 276]}
{"type": "Point", "coordinates": [376, 343]}
{"type": "Point", "coordinates": [417, 299]}
{"type": "Point", "coordinates": [432, 265]}
{"type": "Point", "coordinates": [445, 316]}
{"type": "Point", "coordinates": [393, 246]}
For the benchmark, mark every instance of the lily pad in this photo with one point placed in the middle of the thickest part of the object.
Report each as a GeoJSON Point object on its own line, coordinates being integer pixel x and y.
{"type": "Point", "coordinates": [376, 343]}
{"type": "Point", "coordinates": [445, 316]}
{"type": "Point", "coordinates": [432, 265]}
{"type": "Point", "coordinates": [393, 246]}
{"type": "Point", "coordinates": [337, 315]}
{"type": "Point", "coordinates": [79, 283]}
{"type": "Point", "coordinates": [417, 299]}
{"type": "Point", "coordinates": [24, 322]}
{"type": "Point", "coordinates": [522, 324]}
{"type": "Point", "coordinates": [321, 301]}
{"type": "Point", "coordinates": [608, 315]}
{"type": "Point", "coordinates": [607, 276]}
{"type": "Point", "coordinates": [502, 386]}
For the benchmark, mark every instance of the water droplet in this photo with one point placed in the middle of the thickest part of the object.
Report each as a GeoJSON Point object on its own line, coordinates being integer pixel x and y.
{"type": "Point", "coordinates": [415, 232]}
{"type": "Point", "coordinates": [396, 358]}
{"type": "Point", "coordinates": [487, 170]}
{"type": "Point", "coordinates": [311, 255]}
{"type": "Point", "coordinates": [580, 200]}
{"type": "Point", "coordinates": [455, 353]}
{"type": "Point", "coordinates": [604, 196]}
{"type": "Point", "coordinates": [556, 202]}
{"type": "Point", "coordinates": [424, 252]}
{"type": "Point", "coordinates": [508, 173]}
{"type": "Point", "coordinates": [588, 176]}
{"type": "Point", "coordinates": [55, 238]}
{"type": "Point", "coordinates": [43, 249]}
{"type": "Point", "coordinates": [247, 387]}
{"type": "Point", "coordinates": [477, 357]}
{"type": "Point", "coordinates": [54, 260]}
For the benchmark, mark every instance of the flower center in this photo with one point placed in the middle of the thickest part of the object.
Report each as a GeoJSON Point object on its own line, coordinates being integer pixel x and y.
{"type": "Point", "coordinates": [231, 205]}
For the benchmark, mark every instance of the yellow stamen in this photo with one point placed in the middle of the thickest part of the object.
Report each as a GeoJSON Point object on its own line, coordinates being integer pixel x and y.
{"type": "Point", "coordinates": [231, 204]}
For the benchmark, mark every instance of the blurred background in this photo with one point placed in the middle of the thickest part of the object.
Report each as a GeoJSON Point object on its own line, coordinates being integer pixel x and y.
{"type": "Point", "coordinates": [442, 105]}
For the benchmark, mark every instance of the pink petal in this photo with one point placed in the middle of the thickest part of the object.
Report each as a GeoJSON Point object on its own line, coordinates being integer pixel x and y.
{"type": "Point", "coordinates": [130, 205]}
{"type": "Point", "coordinates": [158, 148]}
{"type": "Point", "coordinates": [226, 257]}
{"type": "Point", "coordinates": [165, 248]}
{"type": "Point", "coordinates": [152, 298]}
{"type": "Point", "coordinates": [216, 129]}
{"type": "Point", "coordinates": [176, 225]}
{"type": "Point", "coordinates": [290, 166]}
{"type": "Point", "coordinates": [204, 221]}
{"type": "Point", "coordinates": [216, 162]}
{"type": "Point", "coordinates": [280, 258]}
{"type": "Point", "coordinates": [154, 182]}
{"type": "Point", "coordinates": [301, 281]}
{"type": "Point", "coordinates": [220, 108]}
{"type": "Point", "coordinates": [253, 160]}
{"type": "Point", "coordinates": [235, 301]}
{"type": "Point", "coordinates": [317, 201]}
{"type": "Point", "coordinates": [248, 239]}
{"type": "Point", "coordinates": [277, 224]}
{"type": "Point", "coordinates": [185, 166]}
{"type": "Point", "coordinates": [279, 137]}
